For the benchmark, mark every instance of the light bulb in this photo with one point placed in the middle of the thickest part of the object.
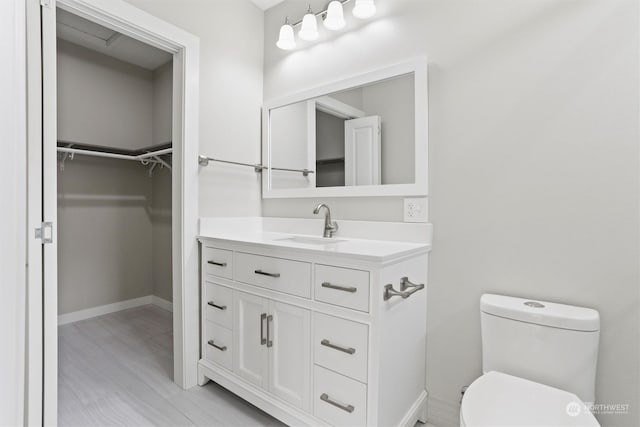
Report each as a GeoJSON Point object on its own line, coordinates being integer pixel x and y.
{"type": "Point", "coordinates": [364, 9]}
{"type": "Point", "coordinates": [287, 40]}
{"type": "Point", "coordinates": [335, 16]}
{"type": "Point", "coordinates": [309, 30]}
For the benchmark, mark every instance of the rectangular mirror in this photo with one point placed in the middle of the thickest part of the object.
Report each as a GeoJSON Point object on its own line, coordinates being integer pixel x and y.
{"type": "Point", "coordinates": [365, 136]}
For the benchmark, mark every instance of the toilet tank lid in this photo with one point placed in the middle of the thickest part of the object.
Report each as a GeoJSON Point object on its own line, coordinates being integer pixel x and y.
{"type": "Point", "coordinates": [541, 312]}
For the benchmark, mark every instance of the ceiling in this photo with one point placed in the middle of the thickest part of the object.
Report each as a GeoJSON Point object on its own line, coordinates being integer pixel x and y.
{"type": "Point", "coordinates": [83, 32]}
{"type": "Point", "coordinates": [266, 4]}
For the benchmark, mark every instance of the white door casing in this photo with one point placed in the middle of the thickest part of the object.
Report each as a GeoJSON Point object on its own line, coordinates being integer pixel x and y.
{"type": "Point", "coordinates": [129, 20]}
{"type": "Point", "coordinates": [362, 150]}
{"type": "Point", "coordinates": [50, 213]}
{"type": "Point", "coordinates": [12, 217]}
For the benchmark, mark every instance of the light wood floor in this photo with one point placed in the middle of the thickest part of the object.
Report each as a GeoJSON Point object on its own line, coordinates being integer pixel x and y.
{"type": "Point", "coordinates": [116, 370]}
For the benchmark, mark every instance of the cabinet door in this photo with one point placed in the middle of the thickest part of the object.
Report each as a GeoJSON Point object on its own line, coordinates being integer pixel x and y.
{"type": "Point", "coordinates": [290, 354]}
{"type": "Point", "coordinates": [250, 322]}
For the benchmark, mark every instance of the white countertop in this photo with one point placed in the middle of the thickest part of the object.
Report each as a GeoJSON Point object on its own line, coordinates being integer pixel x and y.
{"type": "Point", "coordinates": [373, 250]}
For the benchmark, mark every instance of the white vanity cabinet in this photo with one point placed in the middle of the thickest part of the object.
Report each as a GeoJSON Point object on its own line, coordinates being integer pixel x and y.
{"type": "Point", "coordinates": [272, 347]}
{"type": "Point", "coordinates": [307, 335]}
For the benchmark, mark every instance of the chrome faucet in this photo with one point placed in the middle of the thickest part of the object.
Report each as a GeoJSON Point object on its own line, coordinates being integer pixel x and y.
{"type": "Point", "coordinates": [330, 227]}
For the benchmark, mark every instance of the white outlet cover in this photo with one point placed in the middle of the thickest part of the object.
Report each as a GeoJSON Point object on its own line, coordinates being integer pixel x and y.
{"type": "Point", "coordinates": [416, 209]}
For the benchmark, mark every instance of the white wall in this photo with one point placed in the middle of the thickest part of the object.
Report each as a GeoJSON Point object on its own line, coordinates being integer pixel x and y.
{"type": "Point", "coordinates": [162, 103]}
{"type": "Point", "coordinates": [114, 220]}
{"type": "Point", "coordinates": [161, 243]}
{"type": "Point", "coordinates": [231, 50]}
{"type": "Point", "coordinates": [533, 163]}
{"type": "Point", "coordinates": [13, 214]}
{"type": "Point", "coordinates": [92, 89]}
{"type": "Point", "coordinates": [104, 233]}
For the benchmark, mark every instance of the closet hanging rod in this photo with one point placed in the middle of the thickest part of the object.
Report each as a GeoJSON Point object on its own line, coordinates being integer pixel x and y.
{"type": "Point", "coordinates": [95, 153]}
{"type": "Point", "coordinates": [155, 153]}
{"type": "Point", "coordinates": [145, 156]}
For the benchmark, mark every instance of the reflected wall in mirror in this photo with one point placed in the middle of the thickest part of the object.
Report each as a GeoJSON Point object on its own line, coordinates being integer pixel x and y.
{"type": "Point", "coordinates": [364, 135]}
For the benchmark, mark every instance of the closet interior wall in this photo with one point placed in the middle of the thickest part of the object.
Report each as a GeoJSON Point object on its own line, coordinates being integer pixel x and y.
{"type": "Point", "coordinates": [114, 219]}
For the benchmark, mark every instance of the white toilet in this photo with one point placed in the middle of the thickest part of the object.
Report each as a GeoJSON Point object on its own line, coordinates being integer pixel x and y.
{"type": "Point", "coordinates": [538, 363]}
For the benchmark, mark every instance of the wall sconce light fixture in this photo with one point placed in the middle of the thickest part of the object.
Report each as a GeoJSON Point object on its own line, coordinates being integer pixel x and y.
{"type": "Point", "coordinates": [333, 19]}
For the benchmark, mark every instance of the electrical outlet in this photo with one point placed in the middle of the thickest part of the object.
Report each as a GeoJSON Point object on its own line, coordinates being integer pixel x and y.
{"type": "Point", "coordinates": [415, 210]}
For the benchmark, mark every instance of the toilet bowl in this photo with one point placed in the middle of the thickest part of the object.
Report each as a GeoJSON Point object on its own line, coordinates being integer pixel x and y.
{"type": "Point", "coordinates": [496, 399]}
{"type": "Point", "coordinates": [538, 363]}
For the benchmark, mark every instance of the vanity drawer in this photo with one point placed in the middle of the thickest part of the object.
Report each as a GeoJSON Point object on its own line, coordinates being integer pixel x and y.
{"type": "Point", "coordinates": [341, 345]}
{"type": "Point", "coordinates": [219, 304]}
{"type": "Point", "coordinates": [283, 275]}
{"type": "Point", "coordinates": [338, 400]}
{"type": "Point", "coordinates": [218, 345]}
{"type": "Point", "coordinates": [218, 262]}
{"type": "Point", "coordinates": [342, 286]}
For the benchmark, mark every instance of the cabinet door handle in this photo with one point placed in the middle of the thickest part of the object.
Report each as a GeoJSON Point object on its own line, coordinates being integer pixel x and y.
{"type": "Point", "coordinates": [219, 347]}
{"type": "Point", "coordinates": [329, 344]}
{"type": "Point", "coordinates": [264, 273]}
{"type": "Point", "coordinates": [219, 307]}
{"type": "Point", "coordinates": [263, 317]}
{"type": "Point", "coordinates": [219, 264]}
{"type": "Point", "coordinates": [347, 408]}
{"type": "Point", "coordinates": [351, 289]}
{"type": "Point", "coordinates": [269, 340]}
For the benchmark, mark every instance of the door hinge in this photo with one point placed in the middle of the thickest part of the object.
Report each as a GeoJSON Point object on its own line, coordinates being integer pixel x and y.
{"type": "Point", "coordinates": [45, 3]}
{"type": "Point", "coordinates": [45, 232]}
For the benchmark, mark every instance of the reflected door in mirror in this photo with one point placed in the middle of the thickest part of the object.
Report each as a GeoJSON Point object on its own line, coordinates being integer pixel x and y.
{"type": "Point", "coordinates": [362, 151]}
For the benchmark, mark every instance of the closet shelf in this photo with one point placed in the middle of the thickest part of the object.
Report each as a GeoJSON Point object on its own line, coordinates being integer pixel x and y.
{"type": "Point", "coordinates": [329, 161]}
{"type": "Point", "coordinates": [146, 156]}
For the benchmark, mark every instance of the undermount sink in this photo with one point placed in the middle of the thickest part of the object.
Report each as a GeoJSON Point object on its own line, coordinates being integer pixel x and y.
{"type": "Point", "coordinates": [308, 240]}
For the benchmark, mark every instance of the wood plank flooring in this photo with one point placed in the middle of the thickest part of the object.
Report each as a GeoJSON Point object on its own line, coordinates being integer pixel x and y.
{"type": "Point", "coordinates": [117, 369]}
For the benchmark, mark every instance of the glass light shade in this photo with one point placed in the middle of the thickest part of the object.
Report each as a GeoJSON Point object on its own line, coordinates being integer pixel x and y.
{"type": "Point", "coordinates": [309, 30]}
{"type": "Point", "coordinates": [287, 40]}
{"type": "Point", "coordinates": [335, 16]}
{"type": "Point", "coordinates": [364, 9]}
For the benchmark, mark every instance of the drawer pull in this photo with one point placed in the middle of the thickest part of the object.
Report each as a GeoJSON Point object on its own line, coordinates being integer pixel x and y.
{"type": "Point", "coordinates": [328, 343]}
{"type": "Point", "coordinates": [219, 307]}
{"type": "Point", "coordinates": [219, 264]}
{"type": "Point", "coordinates": [347, 408]}
{"type": "Point", "coordinates": [263, 317]}
{"type": "Point", "coordinates": [351, 289]}
{"type": "Point", "coordinates": [219, 347]}
{"type": "Point", "coordinates": [264, 273]}
{"type": "Point", "coordinates": [405, 284]}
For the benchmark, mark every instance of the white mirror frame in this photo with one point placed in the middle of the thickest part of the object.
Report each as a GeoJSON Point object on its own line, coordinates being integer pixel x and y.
{"type": "Point", "coordinates": [419, 68]}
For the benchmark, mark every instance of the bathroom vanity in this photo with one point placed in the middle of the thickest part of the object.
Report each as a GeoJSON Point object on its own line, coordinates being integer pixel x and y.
{"type": "Point", "coordinates": [316, 331]}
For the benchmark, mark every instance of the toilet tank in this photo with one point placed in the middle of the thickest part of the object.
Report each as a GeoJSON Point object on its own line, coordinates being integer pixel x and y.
{"type": "Point", "coordinates": [553, 344]}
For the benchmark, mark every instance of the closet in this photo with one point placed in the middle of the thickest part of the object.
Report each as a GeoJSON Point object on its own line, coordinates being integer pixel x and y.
{"type": "Point", "coordinates": [114, 121]}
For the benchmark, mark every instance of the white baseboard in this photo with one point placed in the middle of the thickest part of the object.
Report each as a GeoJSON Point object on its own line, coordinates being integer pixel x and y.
{"type": "Point", "coordinates": [88, 313]}
{"type": "Point", "coordinates": [162, 303]}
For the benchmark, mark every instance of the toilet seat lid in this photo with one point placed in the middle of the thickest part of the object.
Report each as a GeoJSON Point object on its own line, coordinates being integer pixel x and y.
{"type": "Point", "coordinates": [497, 399]}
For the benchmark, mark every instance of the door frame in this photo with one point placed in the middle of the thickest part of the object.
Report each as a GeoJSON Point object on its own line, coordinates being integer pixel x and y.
{"type": "Point", "coordinates": [13, 107]}
{"type": "Point", "coordinates": [185, 48]}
